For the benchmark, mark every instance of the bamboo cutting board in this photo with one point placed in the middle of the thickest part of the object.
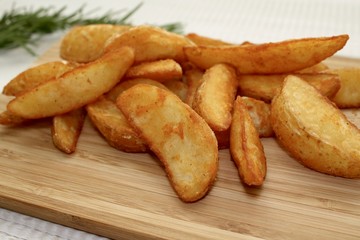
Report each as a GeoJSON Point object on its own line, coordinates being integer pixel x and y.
{"type": "Point", "coordinates": [127, 196]}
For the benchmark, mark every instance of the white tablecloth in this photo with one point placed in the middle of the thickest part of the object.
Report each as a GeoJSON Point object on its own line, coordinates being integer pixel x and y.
{"type": "Point", "coordinates": [231, 20]}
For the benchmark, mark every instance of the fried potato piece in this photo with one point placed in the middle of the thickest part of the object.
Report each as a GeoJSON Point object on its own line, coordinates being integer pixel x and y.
{"type": "Point", "coordinates": [114, 127]}
{"type": "Point", "coordinates": [8, 118]}
{"type": "Point", "coordinates": [215, 96]}
{"type": "Point", "coordinates": [205, 41]}
{"type": "Point", "coordinates": [75, 88]}
{"type": "Point", "coordinates": [348, 95]}
{"type": "Point", "coordinates": [84, 44]}
{"type": "Point", "coordinates": [245, 146]}
{"type": "Point", "coordinates": [161, 70]}
{"type": "Point", "coordinates": [34, 76]}
{"type": "Point", "coordinates": [260, 114]}
{"type": "Point", "coordinates": [193, 78]}
{"type": "Point", "coordinates": [268, 58]}
{"type": "Point", "coordinates": [178, 136]}
{"type": "Point", "coordinates": [151, 43]}
{"type": "Point", "coordinates": [265, 87]}
{"type": "Point", "coordinates": [314, 131]}
{"type": "Point", "coordinates": [122, 86]}
{"type": "Point", "coordinates": [66, 129]}
{"type": "Point", "coordinates": [179, 88]}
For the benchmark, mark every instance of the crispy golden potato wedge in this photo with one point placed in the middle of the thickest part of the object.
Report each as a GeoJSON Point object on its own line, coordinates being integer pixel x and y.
{"type": "Point", "coordinates": [160, 70]}
{"type": "Point", "coordinates": [245, 146]}
{"type": "Point", "coordinates": [34, 76]}
{"type": "Point", "coordinates": [84, 44]}
{"type": "Point", "coordinates": [215, 96]}
{"type": "Point", "coordinates": [114, 127]}
{"type": "Point", "coordinates": [8, 118]}
{"type": "Point", "coordinates": [122, 86]}
{"type": "Point", "coordinates": [265, 87]}
{"type": "Point", "coordinates": [348, 95]}
{"type": "Point", "coordinates": [179, 88]}
{"type": "Point", "coordinates": [75, 88]}
{"type": "Point", "coordinates": [268, 58]}
{"type": "Point", "coordinates": [66, 129]}
{"type": "Point", "coordinates": [260, 114]}
{"type": "Point", "coordinates": [178, 136]}
{"type": "Point", "coordinates": [319, 67]}
{"type": "Point", "coordinates": [193, 78]}
{"type": "Point", "coordinates": [151, 43]}
{"type": "Point", "coordinates": [315, 131]}
{"type": "Point", "coordinates": [205, 41]}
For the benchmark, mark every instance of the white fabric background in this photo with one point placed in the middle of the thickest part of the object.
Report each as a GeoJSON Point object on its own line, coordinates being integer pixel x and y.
{"type": "Point", "coordinates": [231, 20]}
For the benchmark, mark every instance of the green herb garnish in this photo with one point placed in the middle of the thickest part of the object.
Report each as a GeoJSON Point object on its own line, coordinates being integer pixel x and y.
{"type": "Point", "coordinates": [24, 27]}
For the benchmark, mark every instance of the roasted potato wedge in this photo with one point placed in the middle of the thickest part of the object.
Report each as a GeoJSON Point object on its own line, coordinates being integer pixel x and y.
{"type": "Point", "coordinates": [215, 96]}
{"type": "Point", "coordinates": [112, 124]}
{"type": "Point", "coordinates": [178, 136]}
{"type": "Point", "coordinates": [206, 41]}
{"type": "Point", "coordinates": [245, 146]}
{"type": "Point", "coordinates": [314, 131]}
{"type": "Point", "coordinates": [268, 58]}
{"type": "Point", "coordinates": [84, 44]}
{"type": "Point", "coordinates": [34, 76]}
{"type": "Point", "coordinates": [265, 87]}
{"type": "Point", "coordinates": [66, 129]}
{"type": "Point", "coordinates": [75, 88]}
{"type": "Point", "coordinates": [260, 114]}
{"type": "Point", "coordinates": [151, 43]}
{"type": "Point", "coordinates": [161, 70]}
{"type": "Point", "coordinates": [348, 95]}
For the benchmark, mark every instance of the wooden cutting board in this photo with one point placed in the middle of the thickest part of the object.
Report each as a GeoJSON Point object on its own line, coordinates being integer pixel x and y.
{"type": "Point", "coordinates": [121, 195]}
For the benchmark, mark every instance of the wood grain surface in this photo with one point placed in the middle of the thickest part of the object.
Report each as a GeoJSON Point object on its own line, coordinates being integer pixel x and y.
{"type": "Point", "coordinates": [128, 196]}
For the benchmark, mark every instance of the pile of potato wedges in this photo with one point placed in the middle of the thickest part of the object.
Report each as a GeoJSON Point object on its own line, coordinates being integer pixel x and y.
{"type": "Point", "coordinates": [184, 97]}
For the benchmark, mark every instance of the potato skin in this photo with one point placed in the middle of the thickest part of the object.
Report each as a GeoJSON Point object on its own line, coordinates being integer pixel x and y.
{"type": "Point", "coordinates": [314, 131]}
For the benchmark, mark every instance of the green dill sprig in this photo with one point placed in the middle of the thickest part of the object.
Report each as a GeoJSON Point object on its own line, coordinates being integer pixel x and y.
{"type": "Point", "coordinates": [24, 27]}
